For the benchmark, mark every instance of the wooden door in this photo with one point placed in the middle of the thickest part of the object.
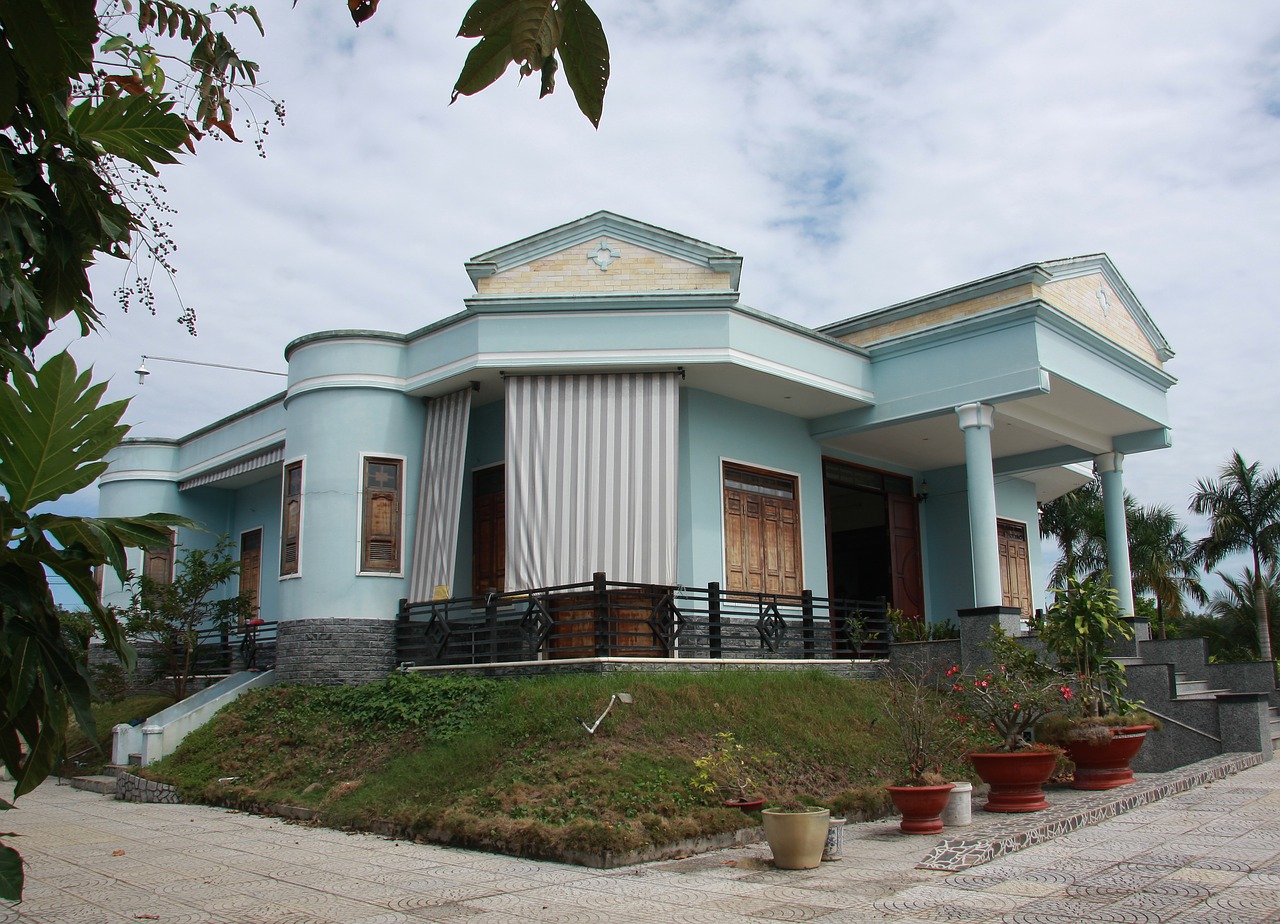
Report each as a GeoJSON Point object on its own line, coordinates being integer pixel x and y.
{"type": "Point", "coordinates": [488, 531]}
{"type": "Point", "coordinates": [251, 568]}
{"type": "Point", "coordinates": [904, 553]}
{"type": "Point", "coordinates": [1015, 566]}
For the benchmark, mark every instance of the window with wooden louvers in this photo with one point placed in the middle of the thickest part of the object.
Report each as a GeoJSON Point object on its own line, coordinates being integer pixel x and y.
{"type": "Point", "coordinates": [761, 532]}
{"type": "Point", "coordinates": [380, 546]}
{"type": "Point", "coordinates": [291, 520]}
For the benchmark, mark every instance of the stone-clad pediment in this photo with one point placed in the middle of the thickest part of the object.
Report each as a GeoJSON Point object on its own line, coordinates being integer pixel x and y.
{"type": "Point", "coordinates": [604, 253]}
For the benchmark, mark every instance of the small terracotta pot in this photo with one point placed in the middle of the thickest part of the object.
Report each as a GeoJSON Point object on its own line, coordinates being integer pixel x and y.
{"type": "Point", "coordinates": [921, 807]}
{"type": "Point", "coordinates": [746, 805]}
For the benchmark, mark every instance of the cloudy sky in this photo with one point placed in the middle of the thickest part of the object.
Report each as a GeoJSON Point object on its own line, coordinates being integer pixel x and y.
{"type": "Point", "coordinates": [856, 154]}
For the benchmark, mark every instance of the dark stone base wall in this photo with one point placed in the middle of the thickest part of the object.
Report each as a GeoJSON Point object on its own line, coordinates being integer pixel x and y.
{"type": "Point", "coordinates": [330, 651]}
{"type": "Point", "coordinates": [858, 670]}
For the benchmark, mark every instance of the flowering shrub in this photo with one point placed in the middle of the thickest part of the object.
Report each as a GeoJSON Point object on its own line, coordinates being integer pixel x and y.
{"type": "Point", "coordinates": [1005, 702]}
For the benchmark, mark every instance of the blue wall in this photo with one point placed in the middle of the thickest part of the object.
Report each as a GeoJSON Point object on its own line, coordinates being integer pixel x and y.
{"type": "Point", "coordinates": [715, 429]}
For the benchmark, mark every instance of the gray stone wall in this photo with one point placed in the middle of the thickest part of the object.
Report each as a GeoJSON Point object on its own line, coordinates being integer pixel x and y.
{"type": "Point", "coordinates": [862, 670]}
{"type": "Point", "coordinates": [332, 651]}
{"type": "Point", "coordinates": [130, 788]}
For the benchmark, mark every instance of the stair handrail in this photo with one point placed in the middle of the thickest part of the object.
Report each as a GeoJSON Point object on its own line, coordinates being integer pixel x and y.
{"type": "Point", "coordinates": [1191, 728]}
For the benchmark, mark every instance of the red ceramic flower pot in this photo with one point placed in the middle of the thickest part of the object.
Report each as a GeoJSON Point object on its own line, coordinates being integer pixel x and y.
{"type": "Point", "coordinates": [1016, 778]}
{"type": "Point", "coordinates": [1105, 765]}
{"type": "Point", "coordinates": [746, 805]}
{"type": "Point", "coordinates": [921, 807]}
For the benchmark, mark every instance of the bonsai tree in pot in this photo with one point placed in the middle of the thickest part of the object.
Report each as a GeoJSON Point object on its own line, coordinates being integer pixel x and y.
{"type": "Point", "coordinates": [928, 739]}
{"type": "Point", "coordinates": [731, 771]}
{"type": "Point", "coordinates": [1002, 705]}
{"type": "Point", "coordinates": [1100, 729]}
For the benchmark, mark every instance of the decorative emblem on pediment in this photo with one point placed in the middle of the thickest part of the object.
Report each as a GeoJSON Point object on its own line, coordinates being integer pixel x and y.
{"type": "Point", "coordinates": [603, 255]}
{"type": "Point", "coordinates": [1103, 301]}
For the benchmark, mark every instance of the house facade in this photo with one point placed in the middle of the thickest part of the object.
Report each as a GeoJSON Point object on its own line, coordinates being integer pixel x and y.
{"type": "Point", "coordinates": [605, 404]}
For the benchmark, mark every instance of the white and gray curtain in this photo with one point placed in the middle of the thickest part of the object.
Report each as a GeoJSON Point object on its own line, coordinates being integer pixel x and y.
{"type": "Point", "coordinates": [444, 450]}
{"type": "Point", "coordinates": [591, 478]}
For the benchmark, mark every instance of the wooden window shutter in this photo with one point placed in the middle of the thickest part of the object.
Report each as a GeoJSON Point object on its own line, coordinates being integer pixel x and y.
{"type": "Point", "coordinates": [291, 520]}
{"type": "Point", "coordinates": [158, 563]}
{"type": "Point", "coordinates": [381, 529]}
{"type": "Point", "coordinates": [761, 532]}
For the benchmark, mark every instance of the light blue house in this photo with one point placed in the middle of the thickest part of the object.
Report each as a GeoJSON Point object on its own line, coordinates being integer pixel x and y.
{"type": "Point", "coordinates": [604, 404]}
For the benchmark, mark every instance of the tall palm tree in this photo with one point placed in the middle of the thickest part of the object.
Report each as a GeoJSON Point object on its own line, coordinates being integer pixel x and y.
{"type": "Point", "coordinates": [1243, 507]}
{"type": "Point", "coordinates": [1162, 561]}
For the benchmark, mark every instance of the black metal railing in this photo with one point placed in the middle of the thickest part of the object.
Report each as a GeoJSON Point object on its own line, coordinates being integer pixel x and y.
{"type": "Point", "coordinates": [222, 651]}
{"type": "Point", "coordinates": [603, 618]}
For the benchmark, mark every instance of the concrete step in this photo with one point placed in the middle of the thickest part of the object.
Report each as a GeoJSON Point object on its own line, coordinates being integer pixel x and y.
{"type": "Point", "coordinates": [1186, 688]}
{"type": "Point", "coordinates": [101, 783]}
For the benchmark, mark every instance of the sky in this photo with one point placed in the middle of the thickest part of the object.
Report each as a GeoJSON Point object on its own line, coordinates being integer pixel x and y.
{"type": "Point", "coordinates": [855, 154]}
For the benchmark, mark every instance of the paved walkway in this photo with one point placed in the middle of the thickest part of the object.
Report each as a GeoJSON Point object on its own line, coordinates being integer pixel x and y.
{"type": "Point", "coordinates": [1209, 855]}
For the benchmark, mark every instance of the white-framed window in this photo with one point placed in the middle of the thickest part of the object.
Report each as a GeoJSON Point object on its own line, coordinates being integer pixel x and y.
{"type": "Point", "coordinates": [292, 493]}
{"type": "Point", "coordinates": [381, 514]}
{"type": "Point", "coordinates": [762, 539]}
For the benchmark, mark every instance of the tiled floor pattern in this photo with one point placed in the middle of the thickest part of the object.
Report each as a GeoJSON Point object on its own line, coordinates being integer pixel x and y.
{"type": "Point", "coordinates": [1210, 855]}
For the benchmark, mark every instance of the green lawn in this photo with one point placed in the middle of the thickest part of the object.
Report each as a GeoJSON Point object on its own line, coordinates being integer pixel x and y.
{"type": "Point", "coordinates": [506, 765]}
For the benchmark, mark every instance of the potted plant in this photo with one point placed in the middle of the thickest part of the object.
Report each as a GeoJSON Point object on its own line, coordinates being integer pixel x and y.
{"type": "Point", "coordinates": [731, 771]}
{"type": "Point", "coordinates": [927, 738]}
{"type": "Point", "coordinates": [1002, 704]}
{"type": "Point", "coordinates": [797, 833]}
{"type": "Point", "coordinates": [1100, 729]}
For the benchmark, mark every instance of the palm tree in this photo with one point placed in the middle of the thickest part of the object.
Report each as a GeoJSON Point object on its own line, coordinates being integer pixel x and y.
{"type": "Point", "coordinates": [1243, 507]}
{"type": "Point", "coordinates": [1234, 610]}
{"type": "Point", "coordinates": [1162, 561]}
{"type": "Point", "coordinates": [1077, 522]}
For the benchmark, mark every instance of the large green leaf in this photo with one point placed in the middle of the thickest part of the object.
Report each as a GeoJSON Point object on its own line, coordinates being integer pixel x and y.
{"type": "Point", "coordinates": [486, 62]}
{"type": "Point", "coordinates": [53, 434]}
{"type": "Point", "coordinates": [585, 54]}
{"type": "Point", "coordinates": [10, 874]}
{"type": "Point", "coordinates": [141, 129]}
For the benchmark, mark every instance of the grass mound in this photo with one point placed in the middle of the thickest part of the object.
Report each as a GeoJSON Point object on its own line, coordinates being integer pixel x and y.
{"type": "Point", "coordinates": [506, 764]}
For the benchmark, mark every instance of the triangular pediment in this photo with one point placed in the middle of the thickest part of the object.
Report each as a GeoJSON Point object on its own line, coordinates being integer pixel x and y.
{"type": "Point", "coordinates": [604, 253]}
{"type": "Point", "coordinates": [1092, 292]}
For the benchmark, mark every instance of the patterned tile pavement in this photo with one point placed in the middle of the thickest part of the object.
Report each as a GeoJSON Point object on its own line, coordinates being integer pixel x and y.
{"type": "Point", "coordinates": [1171, 849]}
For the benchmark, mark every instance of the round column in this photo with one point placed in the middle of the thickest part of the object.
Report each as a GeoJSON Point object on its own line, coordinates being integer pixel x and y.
{"type": "Point", "coordinates": [1110, 468]}
{"type": "Point", "coordinates": [977, 421]}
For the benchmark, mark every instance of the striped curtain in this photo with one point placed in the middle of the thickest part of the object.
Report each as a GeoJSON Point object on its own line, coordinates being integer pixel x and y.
{"type": "Point", "coordinates": [435, 540]}
{"type": "Point", "coordinates": [591, 478]}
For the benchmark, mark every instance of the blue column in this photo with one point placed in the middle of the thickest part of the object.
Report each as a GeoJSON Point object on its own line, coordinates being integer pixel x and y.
{"type": "Point", "coordinates": [976, 420]}
{"type": "Point", "coordinates": [1110, 466]}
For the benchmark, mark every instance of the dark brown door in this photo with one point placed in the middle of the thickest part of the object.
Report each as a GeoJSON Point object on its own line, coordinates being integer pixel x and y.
{"type": "Point", "coordinates": [1015, 566]}
{"type": "Point", "coordinates": [488, 531]}
{"type": "Point", "coordinates": [250, 568]}
{"type": "Point", "coordinates": [904, 554]}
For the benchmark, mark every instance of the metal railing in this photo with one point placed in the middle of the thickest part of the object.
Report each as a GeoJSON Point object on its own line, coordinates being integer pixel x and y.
{"type": "Point", "coordinates": [603, 618]}
{"type": "Point", "coordinates": [223, 651]}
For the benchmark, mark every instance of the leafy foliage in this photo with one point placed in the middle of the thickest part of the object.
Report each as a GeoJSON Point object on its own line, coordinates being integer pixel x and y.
{"type": "Point", "coordinates": [53, 436]}
{"type": "Point", "coordinates": [1005, 701]}
{"type": "Point", "coordinates": [171, 614]}
{"type": "Point", "coordinates": [1079, 631]}
{"type": "Point", "coordinates": [530, 34]}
